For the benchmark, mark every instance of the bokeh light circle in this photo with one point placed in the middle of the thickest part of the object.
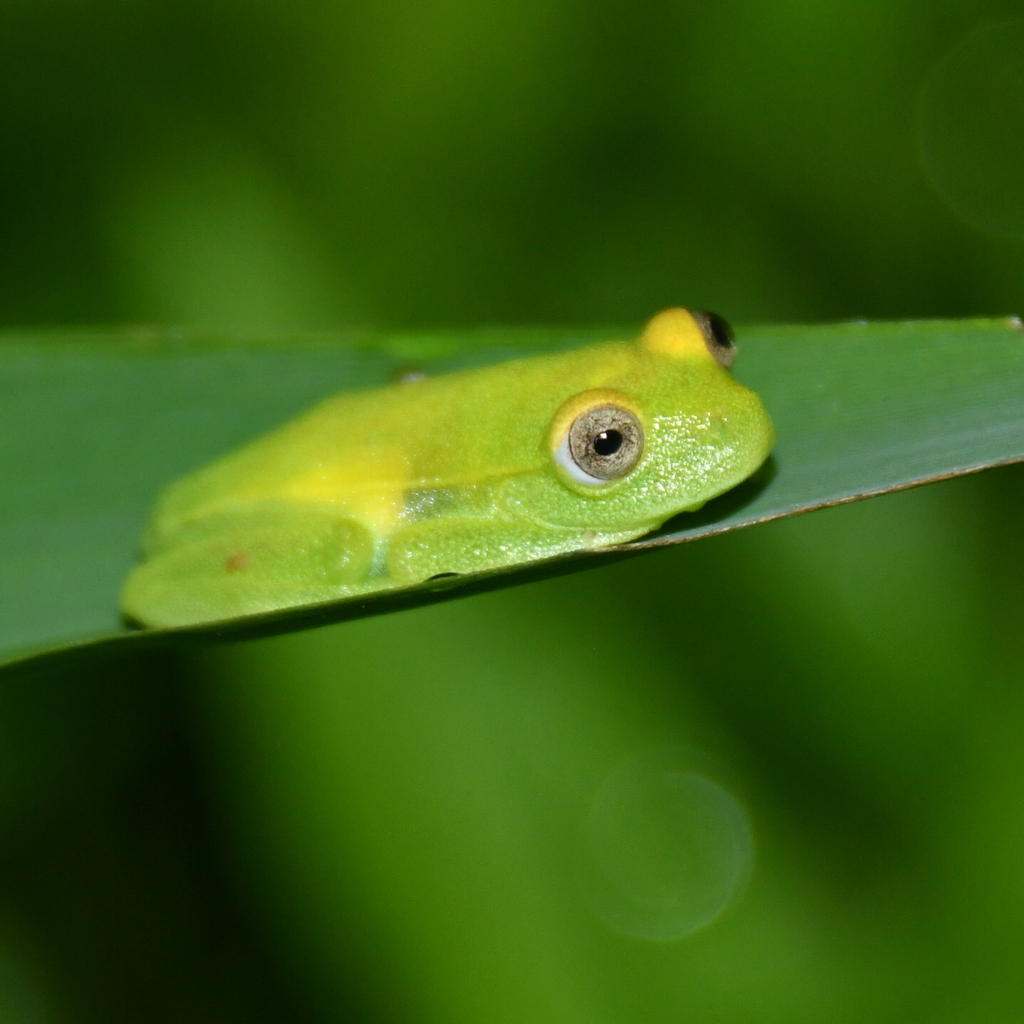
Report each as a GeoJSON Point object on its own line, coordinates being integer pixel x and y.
{"type": "Point", "coordinates": [670, 847]}
{"type": "Point", "coordinates": [971, 128]}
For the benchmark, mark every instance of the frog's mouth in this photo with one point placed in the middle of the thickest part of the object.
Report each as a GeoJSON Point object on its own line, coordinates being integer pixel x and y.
{"type": "Point", "coordinates": [727, 501]}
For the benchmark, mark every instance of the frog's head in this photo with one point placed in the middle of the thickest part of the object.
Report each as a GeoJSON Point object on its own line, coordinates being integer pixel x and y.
{"type": "Point", "coordinates": [667, 428]}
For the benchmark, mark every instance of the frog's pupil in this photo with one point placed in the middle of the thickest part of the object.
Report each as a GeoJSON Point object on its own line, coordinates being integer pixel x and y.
{"type": "Point", "coordinates": [608, 442]}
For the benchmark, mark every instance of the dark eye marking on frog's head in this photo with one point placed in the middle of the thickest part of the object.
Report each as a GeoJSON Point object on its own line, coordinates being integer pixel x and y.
{"type": "Point", "coordinates": [718, 336]}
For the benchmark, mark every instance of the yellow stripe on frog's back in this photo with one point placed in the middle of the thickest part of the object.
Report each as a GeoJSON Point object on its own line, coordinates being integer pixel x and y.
{"type": "Point", "coordinates": [368, 487]}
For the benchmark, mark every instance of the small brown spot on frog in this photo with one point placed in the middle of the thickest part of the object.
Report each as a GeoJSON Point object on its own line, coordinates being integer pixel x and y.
{"type": "Point", "coordinates": [237, 562]}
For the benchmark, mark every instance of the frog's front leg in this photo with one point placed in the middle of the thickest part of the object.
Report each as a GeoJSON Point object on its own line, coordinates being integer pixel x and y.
{"type": "Point", "coordinates": [437, 547]}
{"type": "Point", "coordinates": [253, 558]}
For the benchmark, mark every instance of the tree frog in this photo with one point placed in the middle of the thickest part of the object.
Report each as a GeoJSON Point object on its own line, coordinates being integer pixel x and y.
{"type": "Point", "coordinates": [454, 474]}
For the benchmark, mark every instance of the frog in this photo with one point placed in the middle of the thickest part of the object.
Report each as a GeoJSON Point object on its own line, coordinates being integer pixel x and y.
{"type": "Point", "coordinates": [456, 474]}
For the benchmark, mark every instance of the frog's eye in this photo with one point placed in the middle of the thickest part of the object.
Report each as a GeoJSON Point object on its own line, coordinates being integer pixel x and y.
{"type": "Point", "coordinates": [601, 444]}
{"type": "Point", "coordinates": [718, 336]}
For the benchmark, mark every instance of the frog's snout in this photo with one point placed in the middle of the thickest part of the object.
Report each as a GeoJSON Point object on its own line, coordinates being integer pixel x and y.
{"type": "Point", "coordinates": [747, 431]}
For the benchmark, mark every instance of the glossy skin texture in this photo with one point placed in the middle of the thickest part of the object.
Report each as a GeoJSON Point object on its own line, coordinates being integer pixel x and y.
{"type": "Point", "coordinates": [454, 474]}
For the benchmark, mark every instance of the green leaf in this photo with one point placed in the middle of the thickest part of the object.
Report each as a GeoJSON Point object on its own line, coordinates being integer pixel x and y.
{"type": "Point", "coordinates": [93, 424]}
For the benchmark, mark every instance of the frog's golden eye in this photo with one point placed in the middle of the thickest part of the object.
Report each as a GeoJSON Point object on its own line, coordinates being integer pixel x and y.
{"type": "Point", "coordinates": [601, 444]}
{"type": "Point", "coordinates": [718, 336]}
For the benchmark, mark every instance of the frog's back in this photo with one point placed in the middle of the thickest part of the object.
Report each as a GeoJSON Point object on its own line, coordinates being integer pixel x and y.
{"type": "Point", "coordinates": [367, 448]}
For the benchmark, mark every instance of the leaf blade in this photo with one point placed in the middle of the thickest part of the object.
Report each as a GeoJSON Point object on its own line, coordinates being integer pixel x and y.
{"type": "Point", "coordinates": [93, 423]}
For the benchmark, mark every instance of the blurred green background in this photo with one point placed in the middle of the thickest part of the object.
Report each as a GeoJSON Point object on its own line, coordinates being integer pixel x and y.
{"type": "Point", "coordinates": [775, 776]}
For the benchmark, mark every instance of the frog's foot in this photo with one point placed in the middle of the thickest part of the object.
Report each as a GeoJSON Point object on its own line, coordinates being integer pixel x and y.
{"type": "Point", "coordinates": [259, 559]}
